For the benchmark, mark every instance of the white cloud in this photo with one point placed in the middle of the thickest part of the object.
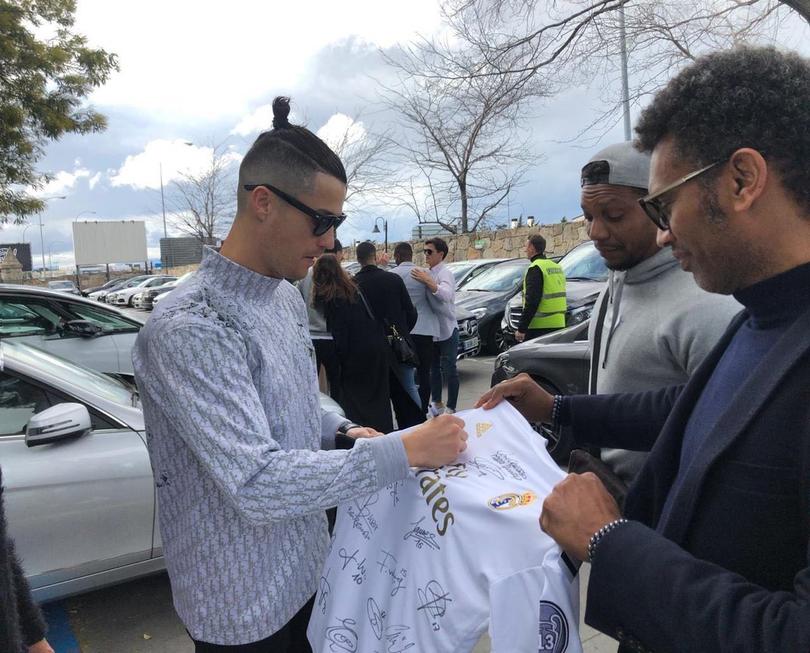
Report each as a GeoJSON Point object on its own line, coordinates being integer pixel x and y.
{"type": "Point", "coordinates": [93, 181]}
{"type": "Point", "coordinates": [341, 132]}
{"type": "Point", "coordinates": [209, 60]}
{"type": "Point", "coordinates": [62, 182]}
{"type": "Point", "coordinates": [170, 158]}
{"type": "Point", "coordinates": [258, 121]}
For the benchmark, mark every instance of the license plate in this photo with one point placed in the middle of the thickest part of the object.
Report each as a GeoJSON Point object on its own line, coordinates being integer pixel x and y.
{"type": "Point", "coordinates": [472, 343]}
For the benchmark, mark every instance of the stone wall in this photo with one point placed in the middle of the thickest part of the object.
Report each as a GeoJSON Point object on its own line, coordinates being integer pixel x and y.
{"type": "Point", "coordinates": [504, 243]}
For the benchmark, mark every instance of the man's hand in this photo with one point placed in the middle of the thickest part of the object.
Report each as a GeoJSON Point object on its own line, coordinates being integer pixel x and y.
{"type": "Point", "coordinates": [424, 277]}
{"type": "Point", "coordinates": [41, 646]}
{"type": "Point", "coordinates": [577, 507]}
{"type": "Point", "coordinates": [382, 259]}
{"type": "Point", "coordinates": [362, 432]}
{"type": "Point", "coordinates": [523, 393]}
{"type": "Point", "coordinates": [520, 336]}
{"type": "Point", "coordinates": [435, 443]}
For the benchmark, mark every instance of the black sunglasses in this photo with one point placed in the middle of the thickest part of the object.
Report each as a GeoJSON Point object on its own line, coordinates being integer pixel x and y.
{"type": "Point", "coordinates": [654, 207]}
{"type": "Point", "coordinates": [323, 221]}
{"type": "Point", "coordinates": [428, 252]}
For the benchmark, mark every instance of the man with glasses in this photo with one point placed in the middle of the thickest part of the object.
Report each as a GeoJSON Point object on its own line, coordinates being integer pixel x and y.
{"type": "Point", "coordinates": [244, 460]}
{"type": "Point", "coordinates": [711, 553]}
{"type": "Point", "coordinates": [652, 325]}
{"type": "Point", "coordinates": [441, 285]}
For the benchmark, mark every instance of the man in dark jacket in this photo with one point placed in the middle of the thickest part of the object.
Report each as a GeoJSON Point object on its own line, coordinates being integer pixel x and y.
{"type": "Point", "coordinates": [392, 306]}
{"type": "Point", "coordinates": [712, 553]}
{"type": "Point", "coordinates": [22, 628]}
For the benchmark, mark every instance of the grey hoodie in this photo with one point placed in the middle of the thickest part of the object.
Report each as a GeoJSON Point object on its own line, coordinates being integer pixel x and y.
{"type": "Point", "coordinates": [659, 326]}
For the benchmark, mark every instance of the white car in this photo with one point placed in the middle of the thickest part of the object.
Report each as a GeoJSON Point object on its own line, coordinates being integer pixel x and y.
{"type": "Point", "coordinates": [75, 328]}
{"type": "Point", "coordinates": [79, 492]}
{"type": "Point", "coordinates": [123, 296]}
{"type": "Point", "coordinates": [159, 298]}
{"type": "Point", "coordinates": [100, 294]}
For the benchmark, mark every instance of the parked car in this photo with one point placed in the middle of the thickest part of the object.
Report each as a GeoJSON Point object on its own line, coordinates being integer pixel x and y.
{"type": "Point", "coordinates": [486, 297]}
{"type": "Point", "coordinates": [469, 342]}
{"type": "Point", "coordinates": [109, 284]}
{"type": "Point", "coordinates": [161, 292]}
{"type": "Point", "coordinates": [75, 328]}
{"type": "Point", "coordinates": [123, 296]}
{"type": "Point", "coordinates": [64, 286]}
{"type": "Point", "coordinates": [79, 492]}
{"type": "Point", "coordinates": [464, 271]}
{"type": "Point", "coordinates": [585, 276]}
{"type": "Point", "coordinates": [101, 295]}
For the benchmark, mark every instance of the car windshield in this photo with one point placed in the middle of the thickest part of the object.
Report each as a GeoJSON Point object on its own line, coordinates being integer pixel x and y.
{"type": "Point", "coordinates": [584, 262]}
{"type": "Point", "coordinates": [460, 268]}
{"type": "Point", "coordinates": [499, 278]}
{"type": "Point", "coordinates": [73, 375]}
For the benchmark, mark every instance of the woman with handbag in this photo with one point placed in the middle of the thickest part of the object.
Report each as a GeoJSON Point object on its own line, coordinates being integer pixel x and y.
{"type": "Point", "coordinates": [360, 342]}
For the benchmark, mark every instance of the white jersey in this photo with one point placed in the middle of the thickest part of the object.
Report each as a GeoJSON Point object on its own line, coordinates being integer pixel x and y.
{"type": "Point", "coordinates": [426, 564]}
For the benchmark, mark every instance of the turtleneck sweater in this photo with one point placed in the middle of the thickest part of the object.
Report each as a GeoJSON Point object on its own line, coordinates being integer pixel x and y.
{"type": "Point", "coordinates": [235, 434]}
{"type": "Point", "coordinates": [772, 306]}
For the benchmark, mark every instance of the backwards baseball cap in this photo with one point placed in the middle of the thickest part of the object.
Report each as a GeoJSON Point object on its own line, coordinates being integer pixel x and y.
{"type": "Point", "coordinates": [618, 165]}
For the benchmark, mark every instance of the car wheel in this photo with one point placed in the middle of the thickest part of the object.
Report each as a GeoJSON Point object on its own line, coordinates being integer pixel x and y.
{"type": "Point", "coordinates": [560, 441]}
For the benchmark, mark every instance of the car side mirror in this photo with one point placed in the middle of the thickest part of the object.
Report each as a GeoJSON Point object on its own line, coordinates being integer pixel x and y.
{"type": "Point", "coordinates": [83, 328]}
{"type": "Point", "coordinates": [60, 422]}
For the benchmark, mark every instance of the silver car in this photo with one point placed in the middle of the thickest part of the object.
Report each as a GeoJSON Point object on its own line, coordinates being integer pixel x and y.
{"type": "Point", "coordinates": [80, 497]}
{"type": "Point", "coordinates": [79, 329]}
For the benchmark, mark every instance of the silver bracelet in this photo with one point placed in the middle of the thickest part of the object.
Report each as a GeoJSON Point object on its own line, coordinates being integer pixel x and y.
{"type": "Point", "coordinates": [597, 537]}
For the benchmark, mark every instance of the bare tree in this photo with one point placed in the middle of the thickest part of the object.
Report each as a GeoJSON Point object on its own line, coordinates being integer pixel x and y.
{"type": "Point", "coordinates": [204, 202]}
{"type": "Point", "coordinates": [365, 154]}
{"type": "Point", "coordinates": [459, 132]}
{"type": "Point", "coordinates": [579, 40]}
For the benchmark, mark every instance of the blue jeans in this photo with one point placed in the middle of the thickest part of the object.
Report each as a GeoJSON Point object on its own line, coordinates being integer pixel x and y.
{"type": "Point", "coordinates": [407, 379]}
{"type": "Point", "coordinates": [444, 368]}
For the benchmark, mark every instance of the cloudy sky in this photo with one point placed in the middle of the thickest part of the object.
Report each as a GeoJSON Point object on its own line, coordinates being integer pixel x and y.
{"type": "Point", "coordinates": [195, 74]}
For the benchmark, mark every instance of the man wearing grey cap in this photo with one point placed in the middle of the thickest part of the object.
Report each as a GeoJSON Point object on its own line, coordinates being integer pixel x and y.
{"type": "Point", "coordinates": [651, 325]}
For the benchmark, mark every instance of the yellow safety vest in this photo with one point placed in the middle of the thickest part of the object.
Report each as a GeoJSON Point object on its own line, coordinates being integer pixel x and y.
{"type": "Point", "coordinates": [551, 310]}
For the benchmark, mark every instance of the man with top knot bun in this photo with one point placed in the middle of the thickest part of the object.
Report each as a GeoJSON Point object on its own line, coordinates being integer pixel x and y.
{"type": "Point", "coordinates": [245, 461]}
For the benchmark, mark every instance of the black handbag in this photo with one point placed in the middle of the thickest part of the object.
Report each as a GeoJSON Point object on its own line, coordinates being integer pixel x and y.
{"type": "Point", "coordinates": [402, 349]}
{"type": "Point", "coordinates": [404, 353]}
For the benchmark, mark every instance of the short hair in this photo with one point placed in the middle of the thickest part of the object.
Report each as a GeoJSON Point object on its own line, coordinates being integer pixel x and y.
{"type": "Point", "coordinates": [366, 252]}
{"type": "Point", "coordinates": [754, 97]}
{"type": "Point", "coordinates": [439, 244]}
{"type": "Point", "coordinates": [538, 242]}
{"type": "Point", "coordinates": [336, 249]}
{"type": "Point", "coordinates": [403, 252]}
{"type": "Point", "coordinates": [287, 156]}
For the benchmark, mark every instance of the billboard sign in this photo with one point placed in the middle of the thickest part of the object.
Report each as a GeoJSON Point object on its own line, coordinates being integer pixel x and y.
{"type": "Point", "coordinates": [109, 241]}
{"type": "Point", "coordinates": [21, 250]}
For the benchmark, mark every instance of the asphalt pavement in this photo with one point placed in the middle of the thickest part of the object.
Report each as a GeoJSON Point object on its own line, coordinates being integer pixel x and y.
{"type": "Point", "coordinates": [138, 617]}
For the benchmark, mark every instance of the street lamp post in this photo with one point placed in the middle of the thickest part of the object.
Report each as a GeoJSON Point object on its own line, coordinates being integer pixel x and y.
{"type": "Point", "coordinates": [163, 207]}
{"type": "Point", "coordinates": [41, 237]}
{"type": "Point", "coordinates": [385, 228]}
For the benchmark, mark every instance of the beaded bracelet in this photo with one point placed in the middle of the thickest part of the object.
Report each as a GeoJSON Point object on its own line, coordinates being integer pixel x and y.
{"type": "Point", "coordinates": [597, 537]}
{"type": "Point", "coordinates": [555, 412]}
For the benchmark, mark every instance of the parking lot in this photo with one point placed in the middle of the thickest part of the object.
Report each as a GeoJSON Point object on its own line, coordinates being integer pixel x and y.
{"type": "Point", "coordinates": [138, 617]}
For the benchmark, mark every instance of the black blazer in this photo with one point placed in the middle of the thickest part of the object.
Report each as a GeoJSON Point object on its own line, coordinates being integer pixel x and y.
{"type": "Point", "coordinates": [388, 297]}
{"type": "Point", "coordinates": [730, 568]}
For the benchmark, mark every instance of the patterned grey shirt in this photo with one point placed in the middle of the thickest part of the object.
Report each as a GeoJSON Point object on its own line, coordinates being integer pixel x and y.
{"type": "Point", "coordinates": [235, 430]}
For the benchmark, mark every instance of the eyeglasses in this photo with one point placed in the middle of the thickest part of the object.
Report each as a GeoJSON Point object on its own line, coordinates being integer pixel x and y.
{"type": "Point", "coordinates": [653, 206]}
{"type": "Point", "coordinates": [428, 252]}
{"type": "Point", "coordinates": [323, 221]}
